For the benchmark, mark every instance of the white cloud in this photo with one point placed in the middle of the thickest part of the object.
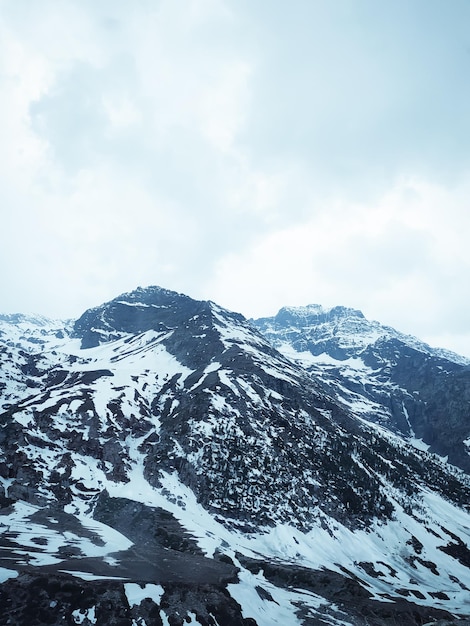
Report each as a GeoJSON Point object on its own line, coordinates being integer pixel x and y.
{"type": "Point", "coordinates": [239, 152]}
{"type": "Point", "coordinates": [403, 261]}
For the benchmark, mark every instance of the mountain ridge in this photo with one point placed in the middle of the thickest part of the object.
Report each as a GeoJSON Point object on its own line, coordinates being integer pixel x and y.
{"type": "Point", "coordinates": [167, 436]}
{"type": "Point", "coordinates": [317, 314]}
{"type": "Point", "coordinates": [390, 378]}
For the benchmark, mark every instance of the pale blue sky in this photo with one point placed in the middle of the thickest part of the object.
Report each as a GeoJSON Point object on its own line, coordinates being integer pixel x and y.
{"type": "Point", "coordinates": [253, 152]}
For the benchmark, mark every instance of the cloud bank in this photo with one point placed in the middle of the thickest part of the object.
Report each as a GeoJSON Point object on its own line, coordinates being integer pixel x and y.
{"type": "Point", "coordinates": [246, 152]}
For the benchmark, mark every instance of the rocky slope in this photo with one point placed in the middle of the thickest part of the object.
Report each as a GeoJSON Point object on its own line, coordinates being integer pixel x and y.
{"type": "Point", "coordinates": [163, 463]}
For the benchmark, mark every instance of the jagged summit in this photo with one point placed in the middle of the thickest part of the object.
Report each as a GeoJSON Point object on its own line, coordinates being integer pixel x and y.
{"type": "Point", "coordinates": [339, 329]}
{"type": "Point", "coordinates": [315, 313]}
{"type": "Point", "coordinates": [291, 320]}
{"type": "Point", "coordinates": [191, 330]}
{"type": "Point", "coordinates": [150, 294]}
{"type": "Point", "coordinates": [150, 308]}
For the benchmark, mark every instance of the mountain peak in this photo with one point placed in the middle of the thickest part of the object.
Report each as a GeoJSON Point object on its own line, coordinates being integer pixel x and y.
{"type": "Point", "coordinates": [152, 294]}
{"type": "Point", "coordinates": [30, 319]}
{"type": "Point", "coordinates": [145, 308]}
{"type": "Point", "coordinates": [316, 313]}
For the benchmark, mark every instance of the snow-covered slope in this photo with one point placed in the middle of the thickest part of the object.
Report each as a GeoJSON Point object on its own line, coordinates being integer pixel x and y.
{"type": "Point", "coordinates": [389, 378]}
{"type": "Point", "coordinates": [162, 463]}
{"type": "Point", "coordinates": [26, 349]}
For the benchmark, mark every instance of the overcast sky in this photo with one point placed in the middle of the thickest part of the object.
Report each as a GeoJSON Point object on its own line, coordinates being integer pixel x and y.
{"type": "Point", "coordinates": [257, 153]}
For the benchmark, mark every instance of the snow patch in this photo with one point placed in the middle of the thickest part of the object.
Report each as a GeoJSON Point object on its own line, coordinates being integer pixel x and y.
{"type": "Point", "coordinates": [136, 593]}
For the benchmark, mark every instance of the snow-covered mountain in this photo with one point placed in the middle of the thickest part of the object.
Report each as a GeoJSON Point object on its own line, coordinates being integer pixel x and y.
{"type": "Point", "coordinates": [163, 463]}
{"type": "Point", "coordinates": [389, 378]}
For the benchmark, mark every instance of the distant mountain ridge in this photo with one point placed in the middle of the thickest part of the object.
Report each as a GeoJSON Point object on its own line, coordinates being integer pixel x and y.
{"type": "Point", "coordinates": [349, 326]}
{"type": "Point", "coordinates": [388, 377]}
{"type": "Point", "coordinates": [166, 461]}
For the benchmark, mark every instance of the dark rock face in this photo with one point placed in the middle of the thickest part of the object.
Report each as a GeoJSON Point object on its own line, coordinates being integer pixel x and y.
{"type": "Point", "coordinates": [431, 398]}
{"type": "Point", "coordinates": [40, 600]}
{"type": "Point", "coordinates": [148, 527]}
{"type": "Point", "coordinates": [177, 468]}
